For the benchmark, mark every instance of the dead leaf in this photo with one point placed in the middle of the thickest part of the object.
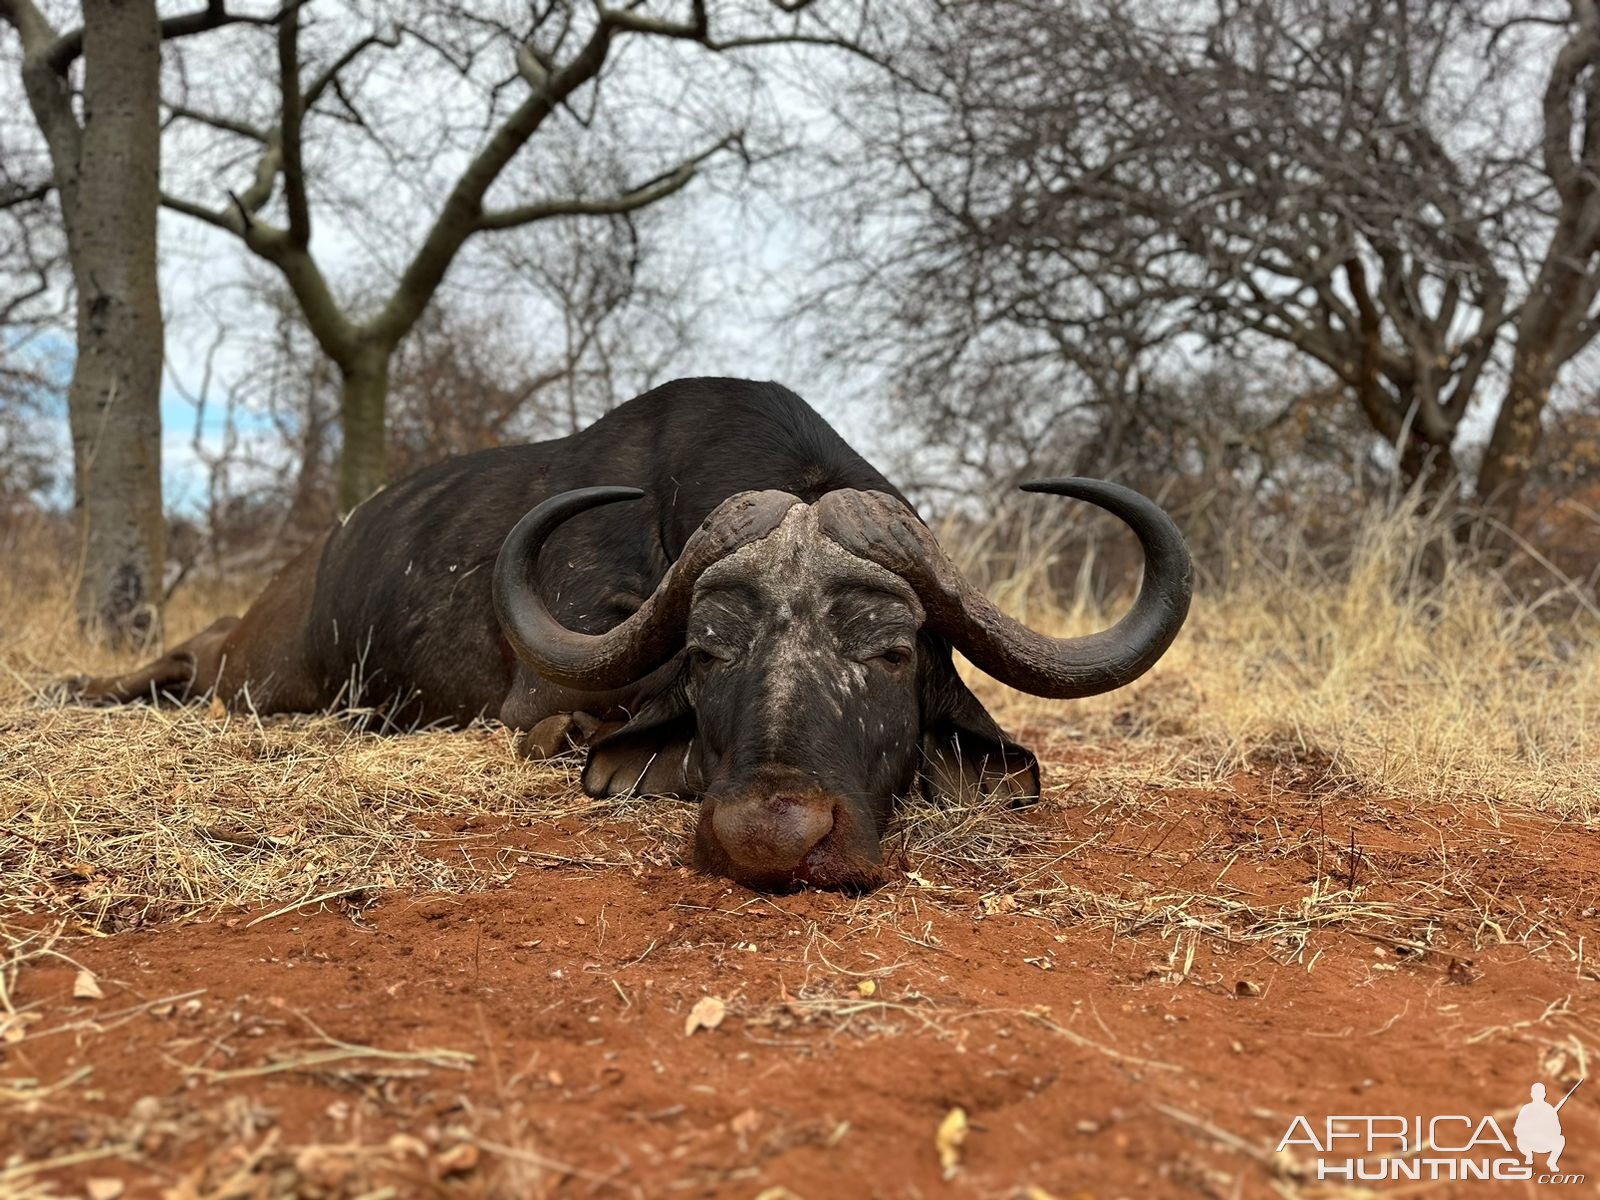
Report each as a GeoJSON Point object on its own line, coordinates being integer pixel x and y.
{"type": "Point", "coordinates": [952, 1132]}
{"type": "Point", "coordinates": [707, 1013]}
{"type": "Point", "coordinates": [1245, 987]}
{"type": "Point", "coordinates": [86, 987]}
{"type": "Point", "coordinates": [458, 1160]}
{"type": "Point", "coordinates": [216, 710]}
{"type": "Point", "coordinates": [105, 1188]}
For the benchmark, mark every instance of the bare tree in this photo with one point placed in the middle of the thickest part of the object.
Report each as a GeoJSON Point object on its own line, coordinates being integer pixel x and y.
{"type": "Point", "coordinates": [32, 255]}
{"type": "Point", "coordinates": [95, 95]}
{"type": "Point", "coordinates": [542, 78]}
{"type": "Point", "coordinates": [537, 339]}
{"type": "Point", "coordinates": [28, 459]}
{"type": "Point", "coordinates": [1096, 192]}
{"type": "Point", "coordinates": [31, 251]}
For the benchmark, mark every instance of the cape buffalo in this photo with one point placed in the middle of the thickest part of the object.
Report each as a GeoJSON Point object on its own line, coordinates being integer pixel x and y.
{"type": "Point", "coordinates": [712, 583]}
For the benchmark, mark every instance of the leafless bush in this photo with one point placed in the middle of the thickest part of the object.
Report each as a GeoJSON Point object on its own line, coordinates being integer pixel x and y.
{"type": "Point", "coordinates": [1062, 213]}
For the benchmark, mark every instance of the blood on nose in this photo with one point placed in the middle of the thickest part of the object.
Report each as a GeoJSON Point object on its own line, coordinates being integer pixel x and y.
{"type": "Point", "coordinates": [772, 833]}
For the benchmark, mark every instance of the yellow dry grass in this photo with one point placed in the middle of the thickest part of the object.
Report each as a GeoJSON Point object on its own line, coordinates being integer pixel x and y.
{"type": "Point", "coordinates": [120, 815]}
{"type": "Point", "coordinates": [1439, 687]}
{"type": "Point", "coordinates": [1443, 691]}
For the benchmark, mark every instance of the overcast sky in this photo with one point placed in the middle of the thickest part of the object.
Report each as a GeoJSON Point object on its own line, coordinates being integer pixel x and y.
{"type": "Point", "coordinates": [742, 239]}
{"type": "Point", "coordinates": [746, 241]}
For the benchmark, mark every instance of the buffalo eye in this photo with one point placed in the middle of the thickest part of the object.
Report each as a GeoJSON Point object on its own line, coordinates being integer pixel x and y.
{"type": "Point", "coordinates": [702, 657]}
{"type": "Point", "coordinates": [894, 657]}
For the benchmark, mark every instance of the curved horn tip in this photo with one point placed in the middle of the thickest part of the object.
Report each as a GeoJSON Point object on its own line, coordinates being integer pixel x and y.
{"type": "Point", "coordinates": [605, 494]}
{"type": "Point", "coordinates": [1078, 486]}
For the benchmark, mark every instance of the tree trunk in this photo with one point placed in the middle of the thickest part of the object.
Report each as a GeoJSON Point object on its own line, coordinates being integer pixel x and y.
{"type": "Point", "coordinates": [362, 402]}
{"type": "Point", "coordinates": [115, 397]}
{"type": "Point", "coordinates": [1514, 443]}
{"type": "Point", "coordinates": [309, 506]}
{"type": "Point", "coordinates": [1427, 466]}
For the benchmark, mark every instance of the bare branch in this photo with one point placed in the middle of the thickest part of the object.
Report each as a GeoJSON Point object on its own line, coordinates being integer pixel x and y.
{"type": "Point", "coordinates": [254, 133]}
{"type": "Point", "coordinates": [635, 198]}
{"type": "Point", "coordinates": [201, 213]}
{"type": "Point", "coordinates": [17, 195]}
{"type": "Point", "coordinates": [31, 25]}
{"type": "Point", "coordinates": [697, 27]}
{"type": "Point", "coordinates": [1580, 53]}
{"type": "Point", "coordinates": [214, 15]}
{"type": "Point", "coordinates": [292, 166]}
{"type": "Point", "coordinates": [330, 76]}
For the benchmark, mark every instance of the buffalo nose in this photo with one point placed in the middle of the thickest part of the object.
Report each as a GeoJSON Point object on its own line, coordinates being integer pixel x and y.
{"type": "Point", "coordinates": [773, 833]}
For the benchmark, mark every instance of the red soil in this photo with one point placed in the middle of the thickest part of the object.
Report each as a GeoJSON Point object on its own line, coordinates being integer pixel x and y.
{"type": "Point", "coordinates": [1091, 1059]}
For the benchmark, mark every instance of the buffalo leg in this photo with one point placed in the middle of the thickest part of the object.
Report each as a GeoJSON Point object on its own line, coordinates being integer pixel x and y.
{"type": "Point", "coordinates": [257, 662]}
{"type": "Point", "coordinates": [182, 673]}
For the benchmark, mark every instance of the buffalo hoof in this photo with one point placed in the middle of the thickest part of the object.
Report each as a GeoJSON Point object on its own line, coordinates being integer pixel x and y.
{"type": "Point", "coordinates": [67, 690]}
{"type": "Point", "coordinates": [564, 733]}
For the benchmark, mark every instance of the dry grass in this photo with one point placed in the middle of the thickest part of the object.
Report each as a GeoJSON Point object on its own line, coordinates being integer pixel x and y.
{"type": "Point", "coordinates": [1368, 678]}
{"type": "Point", "coordinates": [123, 815]}
{"type": "Point", "coordinates": [1443, 689]}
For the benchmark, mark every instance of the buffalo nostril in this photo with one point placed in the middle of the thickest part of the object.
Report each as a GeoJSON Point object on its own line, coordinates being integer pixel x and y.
{"type": "Point", "coordinates": [774, 833]}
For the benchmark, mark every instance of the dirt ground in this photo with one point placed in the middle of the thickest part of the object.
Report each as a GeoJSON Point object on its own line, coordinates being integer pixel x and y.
{"type": "Point", "coordinates": [1132, 995]}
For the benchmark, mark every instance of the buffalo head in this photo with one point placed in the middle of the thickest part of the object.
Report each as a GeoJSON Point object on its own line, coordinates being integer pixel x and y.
{"type": "Point", "coordinates": [800, 670]}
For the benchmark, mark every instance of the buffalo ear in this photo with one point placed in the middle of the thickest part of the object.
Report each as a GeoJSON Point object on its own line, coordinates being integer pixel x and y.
{"type": "Point", "coordinates": [649, 755]}
{"type": "Point", "coordinates": [965, 755]}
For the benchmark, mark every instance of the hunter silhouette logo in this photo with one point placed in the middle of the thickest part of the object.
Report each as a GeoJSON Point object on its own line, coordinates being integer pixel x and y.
{"type": "Point", "coordinates": [1448, 1146]}
{"type": "Point", "coordinates": [1538, 1127]}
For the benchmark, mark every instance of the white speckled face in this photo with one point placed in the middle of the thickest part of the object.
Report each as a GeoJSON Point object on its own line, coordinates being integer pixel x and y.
{"type": "Point", "coordinates": [810, 637]}
{"type": "Point", "coordinates": [810, 698]}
